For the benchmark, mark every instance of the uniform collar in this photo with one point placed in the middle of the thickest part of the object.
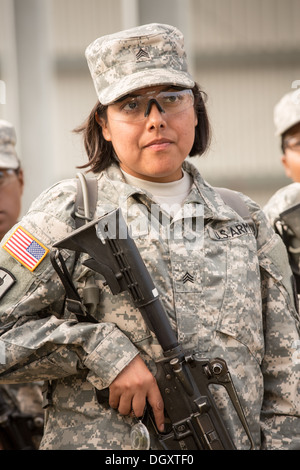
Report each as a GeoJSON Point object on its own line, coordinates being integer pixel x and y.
{"type": "Point", "coordinates": [115, 191]}
{"type": "Point", "coordinates": [204, 193]}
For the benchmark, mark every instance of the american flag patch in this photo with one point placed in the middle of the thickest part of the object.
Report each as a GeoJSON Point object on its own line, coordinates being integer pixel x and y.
{"type": "Point", "coordinates": [25, 248]}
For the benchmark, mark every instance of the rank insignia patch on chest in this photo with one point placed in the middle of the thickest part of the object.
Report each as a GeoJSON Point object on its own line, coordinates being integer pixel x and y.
{"type": "Point", "coordinates": [25, 248]}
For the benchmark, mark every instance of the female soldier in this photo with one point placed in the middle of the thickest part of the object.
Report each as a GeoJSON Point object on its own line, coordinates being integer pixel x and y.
{"type": "Point", "coordinates": [226, 293]}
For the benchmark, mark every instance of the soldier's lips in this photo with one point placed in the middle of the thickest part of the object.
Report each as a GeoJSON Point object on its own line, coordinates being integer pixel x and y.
{"type": "Point", "coordinates": [159, 144]}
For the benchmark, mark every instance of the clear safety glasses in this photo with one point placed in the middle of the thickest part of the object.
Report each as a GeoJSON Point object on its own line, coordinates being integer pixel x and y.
{"type": "Point", "coordinates": [135, 107]}
{"type": "Point", "coordinates": [293, 143]}
{"type": "Point", "coordinates": [6, 176]}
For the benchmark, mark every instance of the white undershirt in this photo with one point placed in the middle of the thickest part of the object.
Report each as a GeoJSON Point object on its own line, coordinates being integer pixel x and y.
{"type": "Point", "coordinates": [168, 195]}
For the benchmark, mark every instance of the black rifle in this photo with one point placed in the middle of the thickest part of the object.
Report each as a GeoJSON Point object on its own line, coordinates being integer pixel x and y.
{"type": "Point", "coordinates": [195, 422]}
{"type": "Point", "coordinates": [18, 430]}
{"type": "Point", "coordinates": [287, 225]}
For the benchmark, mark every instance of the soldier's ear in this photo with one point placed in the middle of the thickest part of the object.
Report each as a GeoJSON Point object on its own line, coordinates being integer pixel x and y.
{"type": "Point", "coordinates": [287, 169]}
{"type": "Point", "coordinates": [105, 127]}
{"type": "Point", "coordinates": [21, 179]}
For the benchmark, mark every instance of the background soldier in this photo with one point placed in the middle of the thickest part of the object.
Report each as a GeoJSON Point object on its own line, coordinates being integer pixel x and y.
{"type": "Point", "coordinates": [287, 128]}
{"type": "Point", "coordinates": [11, 178]}
{"type": "Point", "coordinates": [282, 208]}
{"type": "Point", "coordinates": [21, 415]}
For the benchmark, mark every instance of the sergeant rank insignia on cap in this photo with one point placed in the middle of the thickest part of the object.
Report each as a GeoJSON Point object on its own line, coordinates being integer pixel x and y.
{"type": "Point", "coordinates": [25, 248]}
{"type": "Point", "coordinates": [142, 54]}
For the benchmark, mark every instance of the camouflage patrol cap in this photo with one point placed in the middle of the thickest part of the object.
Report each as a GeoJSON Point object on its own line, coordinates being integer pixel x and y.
{"type": "Point", "coordinates": [144, 56]}
{"type": "Point", "coordinates": [8, 139]}
{"type": "Point", "coordinates": [287, 112]}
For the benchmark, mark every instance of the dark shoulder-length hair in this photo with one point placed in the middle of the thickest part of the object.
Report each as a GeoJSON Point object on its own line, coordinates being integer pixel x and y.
{"type": "Point", "coordinates": [101, 153]}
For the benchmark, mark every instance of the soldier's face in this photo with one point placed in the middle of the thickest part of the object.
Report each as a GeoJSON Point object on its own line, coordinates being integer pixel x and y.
{"type": "Point", "coordinates": [155, 147]}
{"type": "Point", "coordinates": [291, 157]}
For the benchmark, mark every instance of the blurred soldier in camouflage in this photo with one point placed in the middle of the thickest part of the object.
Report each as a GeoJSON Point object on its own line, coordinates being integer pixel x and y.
{"type": "Point", "coordinates": [287, 128]}
{"type": "Point", "coordinates": [282, 208]}
{"type": "Point", "coordinates": [227, 293]}
{"type": "Point", "coordinates": [11, 179]}
{"type": "Point", "coordinates": [287, 124]}
{"type": "Point", "coordinates": [18, 401]}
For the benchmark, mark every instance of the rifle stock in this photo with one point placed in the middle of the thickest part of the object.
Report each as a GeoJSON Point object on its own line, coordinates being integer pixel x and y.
{"type": "Point", "coordinates": [195, 422]}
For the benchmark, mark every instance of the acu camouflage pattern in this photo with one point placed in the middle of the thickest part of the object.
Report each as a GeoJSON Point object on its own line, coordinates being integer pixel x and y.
{"type": "Point", "coordinates": [25, 399]}
{"type": "Point", "coordinates": [8, 139]}
{"type": "Point", "coordinates": [238, 305]}
{"type": "Point", "coordinates": [126, 61]}
{"type": "Point", "coordinates": [283, 199]}
{"type": "Point", "coordinates": [286, 198]}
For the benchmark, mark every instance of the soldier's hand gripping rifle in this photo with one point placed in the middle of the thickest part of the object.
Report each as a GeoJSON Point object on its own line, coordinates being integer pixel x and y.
{"type": "Point", "coordinates": [195, 422]}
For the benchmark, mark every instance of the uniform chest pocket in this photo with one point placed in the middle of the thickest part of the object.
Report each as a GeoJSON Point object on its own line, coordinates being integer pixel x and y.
{"type": "Point", "coordinates": [232, 293]}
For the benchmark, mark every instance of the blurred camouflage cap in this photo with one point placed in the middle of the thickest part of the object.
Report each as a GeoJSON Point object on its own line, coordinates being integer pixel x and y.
{"type": "Point", "coordinates": [8, 139]}
{"type": "Point", "coordinates": [287, 112]}
{"type": "Point", "coordinates": [144, 56]}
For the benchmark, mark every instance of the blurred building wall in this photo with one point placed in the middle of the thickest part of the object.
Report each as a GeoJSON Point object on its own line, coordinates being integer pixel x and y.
{"type": "Point", "coordinates": [245, 54]}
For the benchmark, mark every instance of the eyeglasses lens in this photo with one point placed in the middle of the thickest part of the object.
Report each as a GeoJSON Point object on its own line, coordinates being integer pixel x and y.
{"type": "Point", "coordinates": [135, 108]}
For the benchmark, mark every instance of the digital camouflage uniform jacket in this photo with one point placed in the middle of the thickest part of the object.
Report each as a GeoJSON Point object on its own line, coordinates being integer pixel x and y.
{"type": "Point", "coordinates": [283, 199]}
{"type": "Point", "coordinates": [227, 294]}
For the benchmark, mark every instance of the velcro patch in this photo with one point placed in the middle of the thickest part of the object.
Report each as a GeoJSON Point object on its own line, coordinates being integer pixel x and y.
{"type": "Point", "coordinates": [26, 249]}
{"type": "Point", "coordinates": [7, 280]}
